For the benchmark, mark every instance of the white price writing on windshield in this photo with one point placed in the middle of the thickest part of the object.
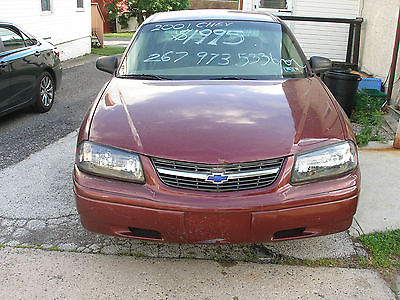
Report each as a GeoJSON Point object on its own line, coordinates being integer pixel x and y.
{"type": "Point", "coordinates": [223, 59]}
{"type": "Point", "coordinates": [213, 37]}
{"type": "Point", "coordinates": [199, 25]}
{"type": "Point", "coordinates": [173, 56]}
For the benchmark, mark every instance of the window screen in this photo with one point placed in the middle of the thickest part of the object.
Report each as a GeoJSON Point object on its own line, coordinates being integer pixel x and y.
{"type": "Point", "coordinates": [79, 3]}
{"type": "Point", "coordinates": [278, 4]}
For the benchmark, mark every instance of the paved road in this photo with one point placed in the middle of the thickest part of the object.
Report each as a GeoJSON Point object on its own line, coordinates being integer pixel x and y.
{"type": "Point", "coordinates": [38, 208]}
{"type": "Point", "coordinates": [116, 42]}
{"type": "Point", "coordinates": [25, 132]}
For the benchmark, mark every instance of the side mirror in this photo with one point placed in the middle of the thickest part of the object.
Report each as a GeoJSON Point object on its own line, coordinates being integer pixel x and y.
{"type": "Point", "coordinates": [108, 63]}
{"type": "Point", "coordinates": [320, 64]}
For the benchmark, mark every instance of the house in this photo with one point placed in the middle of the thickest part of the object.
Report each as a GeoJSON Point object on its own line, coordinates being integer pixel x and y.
{"type": "Point", "coordinates": [378, 30]}
{"type": "Point", "coordinates": [377, 41]}
{"type": "Point", "coordinates": [321, 39]}
{"type": "Point", "coordinates": [64, 23]}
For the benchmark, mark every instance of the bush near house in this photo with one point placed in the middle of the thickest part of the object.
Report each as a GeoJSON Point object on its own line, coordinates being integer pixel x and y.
{"type": "Point", "coordinates": [368, 114]}
{"type": "Point", "coordinates": [123, 10]}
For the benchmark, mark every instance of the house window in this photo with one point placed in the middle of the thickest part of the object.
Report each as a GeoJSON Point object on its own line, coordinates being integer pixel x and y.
{"type": "Point", "coordinates": [46, 5]}
{"type": "Point", "coordinates": [277, 4]}
{"type": "Point", "coordinates": [79, 3]}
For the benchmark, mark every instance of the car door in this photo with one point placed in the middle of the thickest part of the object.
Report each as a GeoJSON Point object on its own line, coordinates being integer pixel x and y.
{"type": "Point", "coordinates": [4, 82]}
{"type": "Point", "coordinates": [21, 68]}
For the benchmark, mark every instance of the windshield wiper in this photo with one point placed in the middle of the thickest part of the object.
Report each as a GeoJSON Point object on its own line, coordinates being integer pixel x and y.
{"type": "Point", "coordinates": [145, 76]}
{"type": "Point", "coordinates": [231, 78]}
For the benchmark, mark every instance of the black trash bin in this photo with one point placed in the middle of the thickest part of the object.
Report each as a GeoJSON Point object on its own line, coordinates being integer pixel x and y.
{"type": "Point", "coordinates": [343, 86]}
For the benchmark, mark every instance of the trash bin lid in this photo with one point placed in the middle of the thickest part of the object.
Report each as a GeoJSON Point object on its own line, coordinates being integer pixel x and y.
{"type": "Point", "coordinates": [344, 75]}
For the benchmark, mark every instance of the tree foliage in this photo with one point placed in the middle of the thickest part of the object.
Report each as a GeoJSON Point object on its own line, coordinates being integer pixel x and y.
{"type": "Point", "coordinates": [122, 10]}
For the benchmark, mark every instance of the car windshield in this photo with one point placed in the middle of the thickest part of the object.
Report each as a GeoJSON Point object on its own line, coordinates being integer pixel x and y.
{"type": "Point", "coordinates": [213, 49]}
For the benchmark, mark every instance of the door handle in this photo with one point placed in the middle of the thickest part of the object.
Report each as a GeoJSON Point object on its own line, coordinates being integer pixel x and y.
{"type": "Point", "coordinates": [37, 53]}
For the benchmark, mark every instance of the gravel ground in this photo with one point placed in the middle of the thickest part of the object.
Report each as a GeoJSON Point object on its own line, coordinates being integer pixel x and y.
{"type": "Point", "coordinates": [386, 133]}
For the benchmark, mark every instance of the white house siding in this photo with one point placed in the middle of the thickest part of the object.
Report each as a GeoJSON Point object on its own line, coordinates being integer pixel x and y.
{"type": "Point", "coordinates": [377, 40]}
{"type": "Point", "coordinates": [322, 39]}
{"type": "Point", "coordinates": [65, 26]}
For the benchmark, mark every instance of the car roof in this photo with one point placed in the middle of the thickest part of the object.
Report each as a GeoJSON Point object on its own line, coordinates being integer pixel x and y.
{"type": "Point", "coordinates": [211, 14]}
{"type": "Point", "coordinates": [6, 23]}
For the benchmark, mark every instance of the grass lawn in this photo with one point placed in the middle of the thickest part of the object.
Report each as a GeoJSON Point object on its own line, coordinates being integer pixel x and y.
{"type": "Point", "coordinates": [120, 34]}
{"type": "Point", "coordinates": [384, 248]}
{"type": "Point", "coordinates": [107, 51]}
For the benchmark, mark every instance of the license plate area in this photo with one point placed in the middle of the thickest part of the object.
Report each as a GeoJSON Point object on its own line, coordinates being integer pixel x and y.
{"type": "Point", "coordinates": [217, 228]}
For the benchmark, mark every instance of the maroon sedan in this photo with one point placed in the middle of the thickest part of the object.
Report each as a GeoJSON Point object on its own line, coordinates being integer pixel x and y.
{"type": "Point", "coordinates": [215, 129]}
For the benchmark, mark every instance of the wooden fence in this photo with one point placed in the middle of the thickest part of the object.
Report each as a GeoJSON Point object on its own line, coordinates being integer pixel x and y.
{"type": "Point", "coordinates": [97, 24]}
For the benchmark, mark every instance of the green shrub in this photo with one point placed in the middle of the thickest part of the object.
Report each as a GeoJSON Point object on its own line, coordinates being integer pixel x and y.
{"type": "Point", "coordinates": [368, 114]}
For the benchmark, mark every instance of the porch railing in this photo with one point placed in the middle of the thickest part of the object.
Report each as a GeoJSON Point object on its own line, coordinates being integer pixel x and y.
{"type": "Point", "coordinates": [353, 42]}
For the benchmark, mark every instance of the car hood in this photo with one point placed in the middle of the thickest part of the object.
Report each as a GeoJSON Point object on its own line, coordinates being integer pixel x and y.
{"type": "Point", "coordinates": [215, 121]}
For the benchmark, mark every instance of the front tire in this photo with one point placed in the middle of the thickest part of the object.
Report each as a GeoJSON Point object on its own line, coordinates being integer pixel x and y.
{"type": "Point", "coordinates": [45, 93]}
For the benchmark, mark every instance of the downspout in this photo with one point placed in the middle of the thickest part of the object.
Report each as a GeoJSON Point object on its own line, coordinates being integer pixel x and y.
{"type": "Point", "coordinates": [240, 4]}
{"type": "Point", "coordinates": [394, 61]}
{"type": "Point", "coordinates": [396, 142]}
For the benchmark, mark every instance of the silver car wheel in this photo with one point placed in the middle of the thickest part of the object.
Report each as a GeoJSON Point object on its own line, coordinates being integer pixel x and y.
{"type": "Point", "coordinates": [46, 91]}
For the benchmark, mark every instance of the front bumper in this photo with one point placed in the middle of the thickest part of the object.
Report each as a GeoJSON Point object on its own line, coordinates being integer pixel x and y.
{"type": "Point", "coordinates": [156, 212]}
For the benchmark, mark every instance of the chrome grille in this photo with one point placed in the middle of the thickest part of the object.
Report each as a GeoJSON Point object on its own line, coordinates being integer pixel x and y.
{"type": "Point", "coordinates": [240, 176]}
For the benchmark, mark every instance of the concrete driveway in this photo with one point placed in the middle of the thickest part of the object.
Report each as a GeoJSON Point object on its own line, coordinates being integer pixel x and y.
{"type": "Point", "coordinates": [36, 274]}
{"type": "Point", "coordinates": [38, 208]}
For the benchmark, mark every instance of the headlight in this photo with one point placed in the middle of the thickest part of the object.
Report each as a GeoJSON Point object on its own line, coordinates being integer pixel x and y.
{"type": "Point", "coordinates": [329, 161]}
{"type": "Point", "coordinates": [109, 162]}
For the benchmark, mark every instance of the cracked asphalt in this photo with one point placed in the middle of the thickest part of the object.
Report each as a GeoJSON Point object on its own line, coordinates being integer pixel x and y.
{"type": "Point", "coordinates": [37, 206]}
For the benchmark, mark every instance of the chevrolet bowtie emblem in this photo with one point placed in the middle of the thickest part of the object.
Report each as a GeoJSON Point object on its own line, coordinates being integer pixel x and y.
{"type": "Point", "coordinates": [217, 178]}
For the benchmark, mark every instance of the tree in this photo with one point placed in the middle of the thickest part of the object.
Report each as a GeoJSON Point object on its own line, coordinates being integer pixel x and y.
{"type": "Point", "coordinates": [152, 6]}
{"type": "Point", "coordinates": [122, 10]}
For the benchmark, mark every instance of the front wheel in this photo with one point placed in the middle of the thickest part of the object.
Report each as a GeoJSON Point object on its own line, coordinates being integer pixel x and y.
{"type": "Point", "coordinates": [45, 93]}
